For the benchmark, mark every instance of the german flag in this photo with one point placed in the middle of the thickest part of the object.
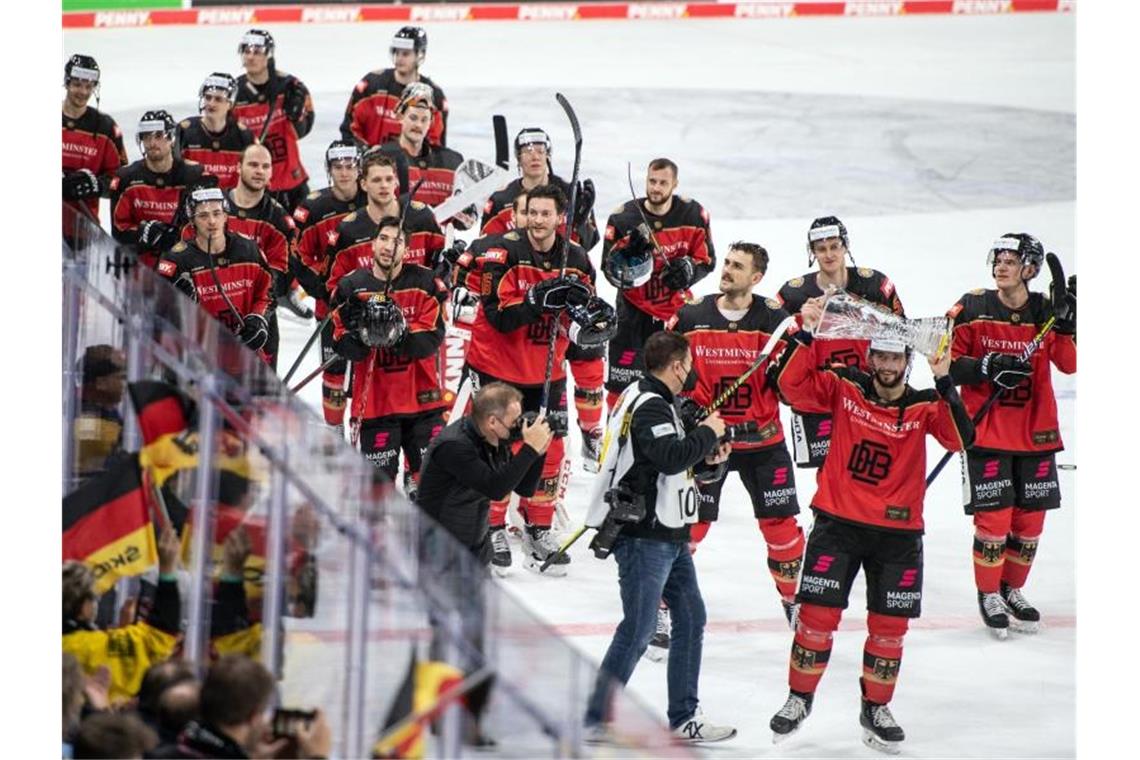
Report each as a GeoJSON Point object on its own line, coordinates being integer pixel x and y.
{"type": "Point", "coordinates": [419, 696]}
{"type": "Point", "coordinates": [162, 409]}
{"type": "Point", "coordinates": [107, 525]}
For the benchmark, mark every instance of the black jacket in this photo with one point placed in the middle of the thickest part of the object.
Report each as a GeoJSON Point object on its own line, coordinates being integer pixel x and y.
{"type": "Point", "coordinates": [200, 740]}
{"type": "Point", "coordinates": [462, 474]}
{"type": "Point", "coordinates": [667, 455]}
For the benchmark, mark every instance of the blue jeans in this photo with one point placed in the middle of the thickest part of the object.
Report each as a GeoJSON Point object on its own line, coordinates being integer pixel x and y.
{"type": "Point", "coordinates": [649, 571]}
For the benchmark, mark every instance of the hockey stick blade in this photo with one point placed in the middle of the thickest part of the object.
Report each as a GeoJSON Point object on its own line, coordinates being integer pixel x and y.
{"type": "Point", "coordinates": [472, 195]}
{"type": "Point", "coordinates": [502, 149]}
{"type": "Point", "coordinates": [562, 549]}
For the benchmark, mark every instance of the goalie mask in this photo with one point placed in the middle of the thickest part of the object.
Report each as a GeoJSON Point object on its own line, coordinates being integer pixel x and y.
{"type": "Point", "coordinates": [1027, 248]}
{"type": "Point", "coordinates": [382, 324]}
{"type": "Point", "coordinates": [416, 94]}
{"type": "Point", "coordinates": [593, 323]}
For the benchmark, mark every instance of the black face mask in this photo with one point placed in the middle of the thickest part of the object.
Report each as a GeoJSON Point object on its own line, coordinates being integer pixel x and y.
{"type": "Point", "coordinates": [690, 383]}
{"type": "Point", "coordinates": [516, 429]}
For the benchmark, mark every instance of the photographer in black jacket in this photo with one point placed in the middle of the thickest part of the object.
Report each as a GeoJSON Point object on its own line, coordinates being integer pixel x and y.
{"type": "Point", "coordinates": [643, 503]}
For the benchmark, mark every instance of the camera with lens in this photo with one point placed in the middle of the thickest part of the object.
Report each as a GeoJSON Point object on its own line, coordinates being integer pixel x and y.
{"type": "Point", "coordinates": [625, 507]}
{"type": "Point", "coordinates": [739, 432]}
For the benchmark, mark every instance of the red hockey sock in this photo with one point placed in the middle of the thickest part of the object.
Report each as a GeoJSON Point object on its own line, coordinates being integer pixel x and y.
{"type": "Point", "coordinates": [612, 401]}
{"type": "Point", "coordinates": [882, 655]}
{"type": "Point", "coordinates": [990, 530]}
{"type": "Point", "coordinates": [497, 516]}
{"type": "Point", "coordinates": [785, 540]}
{"type": "Point", "coordinates": [539, 509]}
{"type": "Point", "coordinates": [1021, 545]}
{"type": "Point", "coordinates": [811, 647]}
{"type": "Point", "coordinates": [333, 400]}
{"type": "Point", "coordinates": [697, 533]}
{"type": "Point", "coordinates": [588, 392]}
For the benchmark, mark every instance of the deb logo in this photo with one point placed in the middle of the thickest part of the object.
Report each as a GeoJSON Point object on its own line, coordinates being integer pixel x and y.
{"type": "Point", "coordinates": [780, 476]}
{"type": "Point", "coordinates": [380, 441]}
{"type": "Point", "coordinates": [908, 578]}
{"type": "Point", "coordinates": [626, 358]}
{"type": "Point", "coordinates": [823, 563]}
{"type": "Point", "coordinates": [1042, 470]}
{"type": "Point", "coordinates": [824, 429]}
{"type": "Point", "coordinates": [990, 469]}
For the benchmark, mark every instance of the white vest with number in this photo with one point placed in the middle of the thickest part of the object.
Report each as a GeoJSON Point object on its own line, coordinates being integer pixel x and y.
{"type": "Point", "coordinates": [677, 499]}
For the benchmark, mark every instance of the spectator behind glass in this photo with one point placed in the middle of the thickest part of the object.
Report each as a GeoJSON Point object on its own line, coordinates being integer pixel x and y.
{"type": "Point", "coordinates": [73, 681]}
{"type": "Point", "coordinates": [113, 735]}
{"type": "Point", "coordinates": [182, 707]}
{"type": "Point", "coordinates": [99, 424]}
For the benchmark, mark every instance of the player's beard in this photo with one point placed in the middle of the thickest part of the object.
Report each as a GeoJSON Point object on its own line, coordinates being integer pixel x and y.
{"type": "Point", "coordinates": [894, 383]}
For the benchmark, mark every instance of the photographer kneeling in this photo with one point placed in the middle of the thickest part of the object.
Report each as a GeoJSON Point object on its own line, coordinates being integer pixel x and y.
{"type": "Point", "coordinates": [643, 503]}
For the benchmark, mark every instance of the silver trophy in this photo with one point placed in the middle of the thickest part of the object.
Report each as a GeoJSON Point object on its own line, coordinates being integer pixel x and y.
{"type": "Point", "coordinates": [849, 316]}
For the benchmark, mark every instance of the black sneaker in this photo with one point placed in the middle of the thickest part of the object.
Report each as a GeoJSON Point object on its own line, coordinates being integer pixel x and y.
{"type": "Point", "coordinates": [880, 730]}
{"type": "Point", "coordinates": [1024, 613]}
{"type": "Point", "coordinates": [791, 716]}
{"type": "Point", "coordinates": [993, 610]}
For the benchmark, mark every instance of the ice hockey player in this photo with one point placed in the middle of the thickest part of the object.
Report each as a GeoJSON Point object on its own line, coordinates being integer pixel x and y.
{"type": "Point", "coordinates": [317, 218]}
{"type": "Point", "coordinates": [222, 270]}
{"type": "Point", "coordinates": [726, 332]}
{"type": "Point", "coordinates": [524, 297]}
{"type": "Point", "coordinates": [652, 269]}
{"type": "Point", "coordinates": [643, 504]}
{"type": "Point", "coordinates": [215, 139]}
{"type": "Point", "coordinates": [868, 513]}
{"type": "Point", "coordinates": [370, 117]}
{"type": "Point", "coordinates": [411, 148]}
{"type": "Point", "coordinates": [390, 324]}
{"type": "Point", "coordinates": [350, 246]}
{"type": "Point", "coordinates": [255, 214]}
{"type": "Point", "coordinates": [145, 195]}
{"type": "Point", "coordinates": [291, 120]}
{"type": "Point", "coordinates": [1011, 470]}
{"type": "Point", "coordinates": [829, 245]}
{"type": "Point", "coordinates": [533, 152]}
{"type": "Point", "coordinates": [92, 141]}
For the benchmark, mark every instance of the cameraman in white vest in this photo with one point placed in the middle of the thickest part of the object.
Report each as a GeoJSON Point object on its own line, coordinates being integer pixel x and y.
{"type": "Point", "coordinates": [643, 503]}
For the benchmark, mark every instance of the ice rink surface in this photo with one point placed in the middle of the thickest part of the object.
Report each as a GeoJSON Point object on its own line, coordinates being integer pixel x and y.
{"type": "Point", "coordinates": [928, 136]}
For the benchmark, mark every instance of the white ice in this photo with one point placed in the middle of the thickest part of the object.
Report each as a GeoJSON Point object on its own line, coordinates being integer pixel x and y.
{"type": "Point", "coordinates": [929, 136]}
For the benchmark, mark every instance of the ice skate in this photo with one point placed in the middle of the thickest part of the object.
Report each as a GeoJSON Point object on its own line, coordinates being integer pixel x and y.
{"type": "Point", "coordinates": [1024, 616]}
{"type": "Point", "coordinates": [791, 610]}
{"type": "Point", "coordinates": [292, 303]}
{"type": "Point", "coordinates": [791, 716]}
{"type": "Point", "coordinates": [500, 552]}
{"type": "Point", "coordinates": [993, 610]}
{"type": "Point", "coordinates": [880, 731]}
{"type": "Point", "coordinates": [541, 544]}
{"type": "Point", "coordinates": [592, 449]}
{"type": "Point", "coordinates": [696, 730]}
{"type": "Point", "coordinates": [658, 649]}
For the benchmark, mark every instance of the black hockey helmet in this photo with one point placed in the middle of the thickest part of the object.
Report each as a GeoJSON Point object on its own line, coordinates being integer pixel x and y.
{"type": "Point", "coordinates": [221, 82]}
{"type": "Point", "coordinates": [383, 323]}
{"type": "Point", "coordinates": [530, 136]}
{"type": "Point", "coordinates": [342, 150]}
{"type": "Point", "coordinates": [410, 38]}
{"type": "Point", "coordinates": [80, 66]}
{"type": "Point", "coordinates": [257, 38]}
{"type": "Point", "coordinates": [1027, 248]}
{"type": "Point", "coordinates": [592, 323]}
{"type": "Point", "coordinates": [823, 228]}
{"type": "Point", "coordinates": [155, 121]}
{"type": "Point", "coordinates": [204, 193]}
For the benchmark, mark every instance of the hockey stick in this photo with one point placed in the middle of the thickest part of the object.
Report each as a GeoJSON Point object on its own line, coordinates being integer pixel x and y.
{"type": "Point", "coordinates": [313, 374]}
{"type": "Point", "coordinates": [270, 96]}
{"type": "Point", "coordinates": [502, 151]}
{"type": "Point", "coordinates": [577, 129]}
{"type": "Point", "coordinates": [218, 285]}
{"type": "Point", "coordinates": [1026, 355]}
{"type": "Point", "coordinates": [644, 219]}
{"type": "Point", "coordinates": [308, 345]}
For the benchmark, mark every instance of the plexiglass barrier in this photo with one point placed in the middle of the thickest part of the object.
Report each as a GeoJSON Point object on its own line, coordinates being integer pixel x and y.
{"type": "Point", "coordinates": [293, 549]}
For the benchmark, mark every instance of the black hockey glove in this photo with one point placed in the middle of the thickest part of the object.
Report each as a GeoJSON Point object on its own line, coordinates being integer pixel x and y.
{"type": "Point", "coordinates": [294, 102]}
{"type": "Point", "coordinates": [1066, 311]}
{"type": "Point", "coordinates": [157, 235]}
{"type": "Point", "coordinates": [80, 184]}
{"type": "Point", "coordinates": [254, 331]}
{"type": "Point", "coordinates": [186, 286]}
{"type": "Point", "coordinates": [552, 295]}
{"type": "Point", "coordinates": [584, 203]}
{"type": "Point", "coordinates": [678, 273]}
{"type": "Point", "coordinates": [1004, 370]}
{"type": "Point", "coordinates": [452, 254]}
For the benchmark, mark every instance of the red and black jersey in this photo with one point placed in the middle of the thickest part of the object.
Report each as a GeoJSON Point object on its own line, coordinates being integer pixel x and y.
{"type": "Point", "coordinates": [875, 470]}
{"type": "Point", "coordinates": [240, 269]}
{"type": "Point", "coordinates": [722, 350]}
{"type": "Point", "coordinates": [682, 231]}
{"type": "Point", "coordinates": [251, 107]}
{"type": "Point", "coordinates": [219, 153]}
{"type": "Point", "coordinates": [317, 217]}
{"type": "Point", "coordinates": [511, 340]}
{"type": "Point", "coordinates": [95, 142]}
{"type": "Point", "coordinates": [404, 379]}
{"type": "Point", "coordinates": [436, 166]}
{"type": "Point", "coordinates": [869, 284]}
{"type": "Point", "coordinates": [268, 225]}
{"type": "Point", "coordinates": [498, 214]}
{"type": "Point", "coordinates": [350, 245]}
{"type": "Point", "coordinates": [139, 194]}
{"type": "Point", "coordinates": [1024, 419]}
{"type": "Point", "coordinates": [370, 117]}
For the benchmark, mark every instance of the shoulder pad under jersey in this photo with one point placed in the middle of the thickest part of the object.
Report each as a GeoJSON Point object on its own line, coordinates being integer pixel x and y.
{"type": "Point", "coordinates": [178, 247]}
{"type": "Point", "coordinates": [865, 272]}
{"type": "Point", "coordinates": [512, 235]}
